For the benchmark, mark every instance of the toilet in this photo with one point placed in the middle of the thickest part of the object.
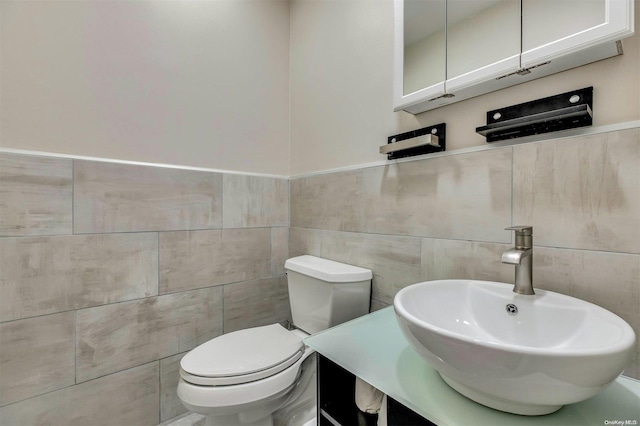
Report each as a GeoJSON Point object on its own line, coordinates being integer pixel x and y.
{"type": "Point", "coordinates": [265, 375]}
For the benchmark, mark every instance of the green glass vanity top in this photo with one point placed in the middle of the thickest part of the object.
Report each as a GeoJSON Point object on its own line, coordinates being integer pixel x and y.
{"type": "Point", "coordinates": [373, 348]}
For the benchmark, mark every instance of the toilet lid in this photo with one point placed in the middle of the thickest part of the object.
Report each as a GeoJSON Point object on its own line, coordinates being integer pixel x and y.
{"type": "Point", "coordinates": [243, 353]}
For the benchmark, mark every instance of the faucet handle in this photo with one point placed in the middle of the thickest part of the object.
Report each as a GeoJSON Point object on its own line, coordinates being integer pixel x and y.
{"type": "Point", "coordinates": [525, 230]}
{"type": "Point", "coordinates": [524, 236]}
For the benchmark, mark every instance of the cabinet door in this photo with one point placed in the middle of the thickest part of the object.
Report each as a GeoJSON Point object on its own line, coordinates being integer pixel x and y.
{"type": "Point", "coordinates": [419, 51]}
{"type": "Point", "coordinates": [555, 28]}
{"type": "Point", "coordinates": [483, 43]}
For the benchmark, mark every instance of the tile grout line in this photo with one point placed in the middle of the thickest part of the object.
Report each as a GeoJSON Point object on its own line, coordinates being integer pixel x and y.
{"type": "Point", "coordinates": [159, 391]}
{"type": "Point", "coordinates": [222, 203]}
{"type": "Point", "coordinates": [222, 298]}
{"type": "Point", "coordinates": [465, 240]}
{"type": "Point", "coordinates": [81, 383]}
{"type": "Point", "coordinates": [141, 298]}
{"type": "Point", "coordinates": [75, 347]}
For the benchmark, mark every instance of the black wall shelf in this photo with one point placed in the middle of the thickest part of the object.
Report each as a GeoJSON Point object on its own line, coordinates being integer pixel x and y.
{"type": "Point", "coordinates": [438, 130]}
{"type": "Point", "coordinates": [554, 113]}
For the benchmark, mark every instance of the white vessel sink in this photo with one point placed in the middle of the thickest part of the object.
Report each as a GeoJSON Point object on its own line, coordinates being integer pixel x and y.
{"type": "Point", "coordinates": [555, 350]}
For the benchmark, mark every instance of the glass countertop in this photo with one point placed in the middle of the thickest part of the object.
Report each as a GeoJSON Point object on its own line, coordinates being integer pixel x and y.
{"type": "Point", "coordinates": [373, 348]}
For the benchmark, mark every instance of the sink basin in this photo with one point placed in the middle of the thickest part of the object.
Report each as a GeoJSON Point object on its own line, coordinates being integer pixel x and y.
{"type": "Point", "coordinates": [527, 355]}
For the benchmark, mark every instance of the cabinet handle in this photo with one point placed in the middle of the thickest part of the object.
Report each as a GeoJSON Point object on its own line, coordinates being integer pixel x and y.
{"type": "Point", "coordinates": [523, 71]}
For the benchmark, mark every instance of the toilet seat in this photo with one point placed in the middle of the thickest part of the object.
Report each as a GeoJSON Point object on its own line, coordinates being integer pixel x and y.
{"type": "Point", "coordinates": [223, 398]}
{"type": "Point", "coordinates": [242, 356]}
{"type": "Point", "coordinates": [243, 378]}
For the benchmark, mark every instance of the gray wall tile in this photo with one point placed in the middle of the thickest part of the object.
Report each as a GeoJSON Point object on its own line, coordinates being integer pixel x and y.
{"type": "Point", "coordinates": [455, 259]}
{"type": "Point", "coordinates": [633, 370]}
{"type": "Point", "coordinates": [130, 397]}
{"type": "Point", "coordinates": [256, 303]}
{"type": "Point", "coordinates": [170, 405]}
{"type": "Point", "coordinates": [35, 195]}
{"type": "Point", "coordinates": [196, 259]}
{"type": "Point", "coordinates": [37, 355]}
{"type": "Point", "coordinates": [394, 260]}
{"type": "Point", "coordinates": [305, 241]}
{"type": "Point", "coordinates": [581, 192]}
{"type": "Point", "coordinates": [465, 196]}
{"type": "Point", "coordinates": [279, 250]}
{"type": "Point", "coordinates": [111, 197]}
{"type": "Point", "coordinates": [114, 337]}
{"type": "Point", "coordinates": [43, 275]}
{"type": "Point", "coordinates": [606, 279]}
{"type": "Point", "coordinates": [255, 201]}
{"type": "Point", "coordinates": [376, 306]}
{"type": "Point", "coordinates": [328, 201]}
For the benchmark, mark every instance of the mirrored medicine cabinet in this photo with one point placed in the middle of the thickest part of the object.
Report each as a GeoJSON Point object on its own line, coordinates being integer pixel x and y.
{"type": "Point", "coordinates": [446, 51]}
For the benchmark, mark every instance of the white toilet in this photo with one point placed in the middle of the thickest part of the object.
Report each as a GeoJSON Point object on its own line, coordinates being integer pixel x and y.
{"type": "Point", "coordinates": [256, 375]}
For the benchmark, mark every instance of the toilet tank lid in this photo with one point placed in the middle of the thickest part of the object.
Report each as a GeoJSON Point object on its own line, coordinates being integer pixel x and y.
{"type": "Point", "coordinates": [327, 270]}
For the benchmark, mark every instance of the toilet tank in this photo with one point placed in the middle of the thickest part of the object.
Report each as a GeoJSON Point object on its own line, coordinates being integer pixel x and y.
{"type": "Point", "coordinates": [324, 293]}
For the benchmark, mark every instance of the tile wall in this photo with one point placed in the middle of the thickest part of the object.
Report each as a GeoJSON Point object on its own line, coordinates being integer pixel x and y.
{"type": "Point", "coordinates": [110, 273]}
{"type": "Point", "coordinates": [444, 217]}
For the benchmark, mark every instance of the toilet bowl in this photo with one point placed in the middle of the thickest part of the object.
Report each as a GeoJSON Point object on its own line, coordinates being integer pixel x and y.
{"type": "Point", "coordinates": [242, 378]}
{"type": "Point", "coordinates": [251, 377]}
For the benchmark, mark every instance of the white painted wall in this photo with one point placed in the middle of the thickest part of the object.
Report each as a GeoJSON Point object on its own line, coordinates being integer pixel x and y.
{"type": "Point", "coordinates": [212, 83]}
{"type": "Point", "coordinates": [195, 83]}
{"type": "Point", "coordinates": [341, 87]}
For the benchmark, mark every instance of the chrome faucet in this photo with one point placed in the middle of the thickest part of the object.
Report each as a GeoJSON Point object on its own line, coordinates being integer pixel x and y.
{"type": "Point", "coordinates": [522, 256]}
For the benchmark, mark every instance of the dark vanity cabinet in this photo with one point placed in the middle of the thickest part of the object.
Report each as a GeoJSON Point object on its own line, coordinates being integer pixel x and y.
{"type": "Point", "coordinates": [336, 401]}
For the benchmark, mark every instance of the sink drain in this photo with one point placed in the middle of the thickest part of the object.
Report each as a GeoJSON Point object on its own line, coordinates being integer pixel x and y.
{"type": "Point", "coordinates": [511, 309]}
